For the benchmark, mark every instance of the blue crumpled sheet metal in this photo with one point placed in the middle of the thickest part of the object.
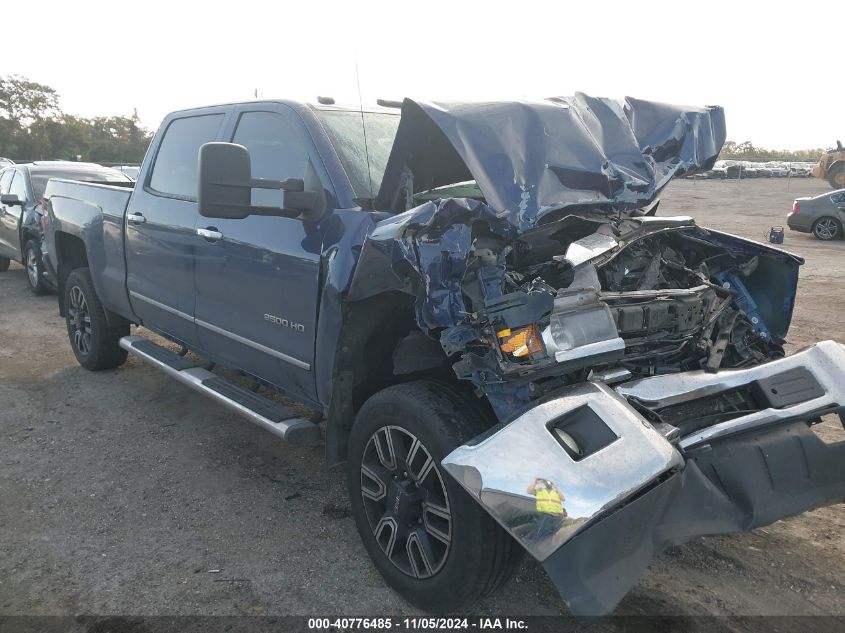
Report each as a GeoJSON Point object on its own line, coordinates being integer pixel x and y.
{"type": "Point", "coordinates": [424, 252]}
{"type": "Point", "coordinates": [531, 158]}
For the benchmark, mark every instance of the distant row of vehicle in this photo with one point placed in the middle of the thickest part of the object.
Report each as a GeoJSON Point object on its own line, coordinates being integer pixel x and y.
{"type": "Point", "coordinates": [741, 172]}
{"type": "Point", "coordinates": [831, 167]}
{"type": "Point", "coordinates": [21, 228]}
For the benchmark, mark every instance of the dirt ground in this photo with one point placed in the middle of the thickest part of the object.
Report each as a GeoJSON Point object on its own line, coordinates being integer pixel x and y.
{"type": "Point", "coordinates": [124, 492]}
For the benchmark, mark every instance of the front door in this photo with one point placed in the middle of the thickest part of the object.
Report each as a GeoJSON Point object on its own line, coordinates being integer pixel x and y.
{"type": "Point", "coordinates": [6, 176]}
{"type": "Point", "coordinates": [10, 215]}
{"type": "Point", "coordinates": [257, 283]}
{"type": "Point", "coordinates": [161, 229]}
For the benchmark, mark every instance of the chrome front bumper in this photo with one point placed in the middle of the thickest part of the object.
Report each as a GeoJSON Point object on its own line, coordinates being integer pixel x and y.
{"type": "Point", "coordinates": [500, 470]}
{"type": "Point", "coordinates": [625, 491]}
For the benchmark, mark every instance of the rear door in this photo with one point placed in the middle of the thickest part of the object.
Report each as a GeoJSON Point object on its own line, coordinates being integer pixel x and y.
{"type": "Point", "coordinates": [257, 285]}
{"type": "Point", "coordinates": [160, 227]}
{"type": "Point", "coordinates": [10, 216]}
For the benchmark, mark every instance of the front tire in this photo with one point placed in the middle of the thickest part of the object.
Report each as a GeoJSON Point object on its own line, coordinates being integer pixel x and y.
{"type": "Point", "coordinates": [430, 540]}
{"type": "Point", "coordinates": [95, 344]}
{"type": "Point", "coordinates": [4, 264]}
{"type": "Point", "coordinates": [837, 178]}
{"type": "Point", "coordinates": [34, 268]}
{"type": "Point", "coordinates": [827, 228]}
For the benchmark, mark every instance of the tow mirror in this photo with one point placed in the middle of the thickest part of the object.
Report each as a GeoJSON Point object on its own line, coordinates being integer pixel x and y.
{"type": "Point", "coordinates": [11, 200]}
{"type": "Point", "coordinates": [226, 184]}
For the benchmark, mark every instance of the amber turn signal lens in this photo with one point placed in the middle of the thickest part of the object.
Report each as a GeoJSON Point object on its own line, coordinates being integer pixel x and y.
{"type": "Point", "coordinates": [521, 342]}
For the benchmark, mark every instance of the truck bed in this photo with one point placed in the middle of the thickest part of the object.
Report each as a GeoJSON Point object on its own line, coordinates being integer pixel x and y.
{"type": "Point", "coordinates": [93, 213]}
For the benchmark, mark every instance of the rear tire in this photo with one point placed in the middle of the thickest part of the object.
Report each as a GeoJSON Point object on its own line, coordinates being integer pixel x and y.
{"type": "Point", "coordinates": [447, 552]}
{"type": "Point", "coordinates": [34, 268]}
{"type": "Point", "coordinates": [95, 344]}
{"type": "Point", "coordinates": [827, 228]}
{"type": "Point", "coordinates": [4, 264]}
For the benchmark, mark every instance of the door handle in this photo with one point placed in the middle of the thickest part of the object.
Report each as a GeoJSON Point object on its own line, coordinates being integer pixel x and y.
{"type": "Point", "coordinates": [136, 218]}
{"type": "Point", "coordinates": [211, 234]}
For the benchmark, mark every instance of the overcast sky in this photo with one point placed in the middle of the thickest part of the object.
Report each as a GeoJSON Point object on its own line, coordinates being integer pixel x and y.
{"type": "Point", "coordinates": [777, 68]}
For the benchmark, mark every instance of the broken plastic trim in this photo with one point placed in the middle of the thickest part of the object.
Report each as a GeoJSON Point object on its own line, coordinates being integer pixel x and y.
{"type": "Point", "coordinates": [825, 361]}
{"type": "Point", "coordinates": [582, 327]}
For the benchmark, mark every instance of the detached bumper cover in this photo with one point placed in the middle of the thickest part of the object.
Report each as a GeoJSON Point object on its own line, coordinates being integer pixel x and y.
{"type": "Point", "coordinates": [622, 500]}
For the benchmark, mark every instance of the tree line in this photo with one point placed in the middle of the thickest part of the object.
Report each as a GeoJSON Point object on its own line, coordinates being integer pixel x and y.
{"type": "Point", "coordinates": [747, 151]}
{"type": "Point", "coordinates": [33, 127]}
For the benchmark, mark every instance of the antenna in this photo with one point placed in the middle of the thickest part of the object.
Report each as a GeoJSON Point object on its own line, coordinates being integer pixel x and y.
{"type": "Point", "coordinates": [364, 128]}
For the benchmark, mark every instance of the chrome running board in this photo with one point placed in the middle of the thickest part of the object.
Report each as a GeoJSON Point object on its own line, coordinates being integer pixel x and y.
{"type": "Point", "coordinates": [273, 417]}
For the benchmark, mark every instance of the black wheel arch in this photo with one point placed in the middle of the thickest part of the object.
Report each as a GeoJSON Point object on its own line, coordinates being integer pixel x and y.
{"type": "Point", "coordinates": [374, 329]}
{"type": "Point", "coordinates": [71, 254]}
{"type": "Point", "coordinates": [28, 234]}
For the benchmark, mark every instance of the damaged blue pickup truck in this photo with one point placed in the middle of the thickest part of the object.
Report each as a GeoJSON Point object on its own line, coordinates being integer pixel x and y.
{"type": "Point", "coordinates": [495, 331]}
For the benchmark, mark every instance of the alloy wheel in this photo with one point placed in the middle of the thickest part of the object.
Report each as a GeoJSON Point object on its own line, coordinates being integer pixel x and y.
{"type": "Point", "coordinates": [32, 267]}
{"type": "Point", "coordinates": [79, 319]}
{"type": "Point", "coordinates": [406, 502]}
{"type": "Point", "coordinates": [826, 229]}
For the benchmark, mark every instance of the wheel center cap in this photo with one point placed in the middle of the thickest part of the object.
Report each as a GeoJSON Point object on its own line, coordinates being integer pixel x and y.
{"type": "Point", "coordinates": [403, 500]}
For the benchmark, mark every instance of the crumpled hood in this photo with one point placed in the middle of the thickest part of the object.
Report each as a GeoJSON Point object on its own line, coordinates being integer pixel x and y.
{"type": "Point", "coordinates": [531, 158]}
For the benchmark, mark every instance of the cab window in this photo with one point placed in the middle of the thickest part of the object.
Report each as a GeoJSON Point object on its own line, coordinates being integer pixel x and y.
{"type": "Point", "coordinates": [277, 151]}
{"type": "Point", "coordinates": [175, 169]}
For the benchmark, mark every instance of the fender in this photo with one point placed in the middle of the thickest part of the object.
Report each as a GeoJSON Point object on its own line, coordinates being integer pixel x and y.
{"type": "Point", "coordinates": [101, 233]}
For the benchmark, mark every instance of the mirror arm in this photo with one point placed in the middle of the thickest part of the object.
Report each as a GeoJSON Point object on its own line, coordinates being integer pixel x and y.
{"type": "Point", "coordinates": [290, 184]}
{"type": "Point", "coordinates": [275, 212]}
{"type": "Point", "coordinates": [300, 201]}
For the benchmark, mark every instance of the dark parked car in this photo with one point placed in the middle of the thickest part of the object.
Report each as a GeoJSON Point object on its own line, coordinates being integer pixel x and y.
{"type": "Point", "coordinates": [822, 215]}
{"type": "Point", "coordinates": [510, 351]}
{"type": "Point", "coordinates": [21, 189]}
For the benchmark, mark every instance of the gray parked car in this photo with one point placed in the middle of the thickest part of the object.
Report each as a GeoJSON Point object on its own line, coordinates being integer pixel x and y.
{"type": "Point", "coordinates": [822, 215]}
{"type": "Point", "coordinates": [21, 189]}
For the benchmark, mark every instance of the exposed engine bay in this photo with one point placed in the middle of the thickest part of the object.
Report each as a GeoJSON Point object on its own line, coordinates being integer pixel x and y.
{"type": "Point", "coordinates": [536, 257]}
{"type": "Point", "coordinates": [637, 297]}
